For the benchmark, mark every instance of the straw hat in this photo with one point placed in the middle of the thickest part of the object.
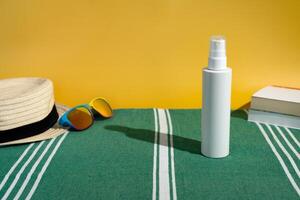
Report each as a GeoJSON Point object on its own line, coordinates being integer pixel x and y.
{"type": "Point", "coordinates": [27, 111]}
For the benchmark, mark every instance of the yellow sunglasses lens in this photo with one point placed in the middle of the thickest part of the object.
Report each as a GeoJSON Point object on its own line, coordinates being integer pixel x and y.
{"type": "Point", "coordinates": [102, 107]}
{"type": "Point", "coordinates": [80, 118]}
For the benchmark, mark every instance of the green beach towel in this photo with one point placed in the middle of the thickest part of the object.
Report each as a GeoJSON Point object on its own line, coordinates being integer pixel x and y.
{"type": "Point", "coordinates": [154, 154]}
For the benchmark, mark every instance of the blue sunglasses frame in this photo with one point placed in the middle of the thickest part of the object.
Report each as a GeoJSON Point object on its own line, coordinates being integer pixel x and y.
{"type": "Point", "coordinates": [65, 122]}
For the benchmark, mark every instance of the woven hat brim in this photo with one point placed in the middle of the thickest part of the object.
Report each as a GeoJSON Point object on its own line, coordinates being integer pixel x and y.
{"type": "Point", "coordinates": [53, 132]}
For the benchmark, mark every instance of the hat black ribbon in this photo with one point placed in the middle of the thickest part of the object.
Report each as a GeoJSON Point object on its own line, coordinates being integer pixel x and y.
{"type": "Point", "coordinates": [30, 129]}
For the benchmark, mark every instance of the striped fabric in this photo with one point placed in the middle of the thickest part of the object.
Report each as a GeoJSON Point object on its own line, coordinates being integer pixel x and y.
{"type": "Point", "coordinates": [285, 152]}
{"type": "Point", "coordinates": [154, 154]}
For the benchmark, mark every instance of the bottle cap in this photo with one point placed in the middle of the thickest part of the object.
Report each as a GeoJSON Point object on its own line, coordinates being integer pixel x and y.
{"type": "Point", "coordinates": [217, 55]}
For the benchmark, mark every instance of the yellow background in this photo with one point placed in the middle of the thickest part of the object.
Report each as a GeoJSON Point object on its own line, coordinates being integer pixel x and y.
{"type": "Point", "coordinates": [148, 53]}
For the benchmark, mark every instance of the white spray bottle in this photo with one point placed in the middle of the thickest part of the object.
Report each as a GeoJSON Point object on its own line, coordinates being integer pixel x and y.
{"type": "Point", "coordinates": [216, 95]}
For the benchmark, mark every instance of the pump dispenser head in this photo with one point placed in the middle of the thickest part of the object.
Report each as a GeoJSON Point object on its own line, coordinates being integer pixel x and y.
{"type": "Point", "coordinates": [217, 55]}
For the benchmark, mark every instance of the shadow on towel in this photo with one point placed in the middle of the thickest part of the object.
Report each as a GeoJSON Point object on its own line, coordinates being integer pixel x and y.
{"type": "Point", "coordinates": [180, 143]}
{"type": "Point", "coordinates": [240, 112]}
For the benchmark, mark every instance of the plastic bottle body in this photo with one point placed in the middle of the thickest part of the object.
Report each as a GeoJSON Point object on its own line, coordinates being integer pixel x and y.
{"type": "Point", "coordinates": [215, 121]}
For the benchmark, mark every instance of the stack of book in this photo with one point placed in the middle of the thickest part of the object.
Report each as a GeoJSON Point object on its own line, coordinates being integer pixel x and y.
{"type": "Point", "coordinates": [276, 105]}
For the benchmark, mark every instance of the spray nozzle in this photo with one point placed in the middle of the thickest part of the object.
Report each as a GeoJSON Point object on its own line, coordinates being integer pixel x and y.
{"type": "Point", "coordinates": [217, 54]}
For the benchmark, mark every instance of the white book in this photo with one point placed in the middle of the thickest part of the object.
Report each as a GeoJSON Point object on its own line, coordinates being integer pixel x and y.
{"type": "Point", "coordinates": [274, 118]}
{"type": "Point", "coordinates": [277, 99]}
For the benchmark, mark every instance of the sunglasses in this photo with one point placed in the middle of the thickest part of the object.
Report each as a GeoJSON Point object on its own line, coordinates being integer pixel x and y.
{"type": "Point", "coordinates": [82, 116]}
